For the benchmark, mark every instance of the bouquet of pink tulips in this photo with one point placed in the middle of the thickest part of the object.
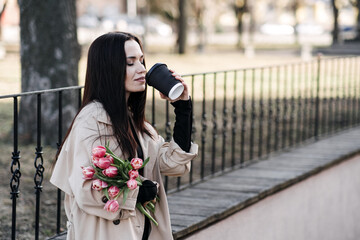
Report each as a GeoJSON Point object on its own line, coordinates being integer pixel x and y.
{"type": "Point", "coordinates": [114, 176]}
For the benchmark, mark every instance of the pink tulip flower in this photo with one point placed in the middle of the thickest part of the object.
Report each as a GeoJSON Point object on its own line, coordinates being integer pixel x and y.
{"type": "Point", "coordinates": [132, 184]}
{"type": "Point", "coordinates": [99, 151]}
{"type": "Point", "coordinates": [113, 191]}
{"type": "Point", "coordinates": [95, 161]}
{"type": "Point", "coordinates": [110, 171]}
{"type": "Point", "coordinates": [133, 174]}
{"type": "Point", "coordinates": [111, 206]}
{"type": "Point", "coordinates": [104, 163]}
{"type": "Point", "coordinates": [97, 184]}
{"type": "Point", "coordinates": [108, 156]}
{"type": "Point", "coordinates": [88, 172]}
{"type": "Point", "coordinates": [136, 163]}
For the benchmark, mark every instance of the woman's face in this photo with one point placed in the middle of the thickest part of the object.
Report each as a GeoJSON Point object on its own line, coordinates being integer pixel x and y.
{"type": "Point", "coordinates": [135, 69]}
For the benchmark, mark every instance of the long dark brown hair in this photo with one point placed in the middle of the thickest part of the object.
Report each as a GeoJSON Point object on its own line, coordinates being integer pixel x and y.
{"type": "Point", "coordinates": [105, 82]}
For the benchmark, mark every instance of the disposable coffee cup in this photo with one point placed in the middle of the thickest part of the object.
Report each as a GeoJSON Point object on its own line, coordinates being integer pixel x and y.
{"type": "Point", "coordinates": [160, 77]}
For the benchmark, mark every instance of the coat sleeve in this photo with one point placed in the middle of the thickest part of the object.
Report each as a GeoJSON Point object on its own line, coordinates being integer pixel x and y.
{"type": "Point", "coordinates": [67, 174]}
{"type": "Point", "coordinates": [173, 160]}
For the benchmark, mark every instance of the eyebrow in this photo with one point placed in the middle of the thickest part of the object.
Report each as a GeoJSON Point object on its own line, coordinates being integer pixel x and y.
{"type": "Point", "coordinates": [133, 57]}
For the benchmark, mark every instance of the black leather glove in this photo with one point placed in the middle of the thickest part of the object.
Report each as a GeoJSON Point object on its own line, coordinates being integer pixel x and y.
{"type": "Point", "coordinates": [147, 191]}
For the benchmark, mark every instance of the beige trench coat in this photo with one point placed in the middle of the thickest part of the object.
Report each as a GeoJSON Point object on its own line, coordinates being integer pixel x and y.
{"type": "Point", "coordinates": [84, 208]}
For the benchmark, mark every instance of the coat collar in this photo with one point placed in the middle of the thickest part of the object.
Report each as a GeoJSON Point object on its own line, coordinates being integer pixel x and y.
{"type": "Point", "coordinates": [101, 115]}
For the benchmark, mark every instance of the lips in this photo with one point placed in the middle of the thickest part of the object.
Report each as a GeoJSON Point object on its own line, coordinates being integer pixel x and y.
{"type": "Point", "coordinates": [140, 79]}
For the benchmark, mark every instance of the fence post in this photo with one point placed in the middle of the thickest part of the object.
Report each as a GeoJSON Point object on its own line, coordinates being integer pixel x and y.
{"type": "Point", "coordinates": [39, 167]}
{"type": "Point", "coordinates": [15, 171]}
{"type": "Point", "coordinates": [317, 103]}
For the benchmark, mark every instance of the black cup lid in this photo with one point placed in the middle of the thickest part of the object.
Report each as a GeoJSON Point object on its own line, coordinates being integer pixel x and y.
{"type": "Point", "coordinates": [152, 69]}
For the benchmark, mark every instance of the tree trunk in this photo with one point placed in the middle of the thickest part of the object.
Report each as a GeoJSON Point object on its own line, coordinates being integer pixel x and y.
{"type": "Point", "coordinates": [199, 11]}
{"type": "Point", "coordinates": [182, 23]}
{"type": "Point", "coordinates": [50, 55]}
{"type": "Point", "coordinates": [240, 8]}
{"type": "Point", "coordinates": [335, 33]}
{"type": "Point", "coordinates": [358, 21]}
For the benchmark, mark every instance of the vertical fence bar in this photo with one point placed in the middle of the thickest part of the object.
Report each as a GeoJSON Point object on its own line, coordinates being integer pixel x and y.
{"type": "Point", "coordinates": [349, 93]}
{"type": "Point", "coordinates": [357, 79]}
{"type": "Point", "coordinates": [38, 164]}
{"type": "Point", "coordinates": [325, 101]}
{"type": "Point", "coordinates": [312, 87]}
{"type": "Point", "coordinates": [243, 122]}
{"type": "Point", "coordinates": [277, 102]}
{"type": "Point", "coordinates": [193, 130]}
{"type": "Point", "coordinates": [234, 121]}
{"type": "Point", "coordinates": [331, 98]}
{"type": "Point", "coordinates": [270, 113]}
{"type": "Point", "coordinates": [167, 137]}
{"type": "Point", "coordinates": [299, 121]}
{"type": "Point", "coordinates": [336, 97]}
{"type": "Point", "coordinates": [215, 129]}
{"type": "Point", "coordinates": [203, 132]}
{"type": "Point", "coordinates": [317, 99]}
{"type": "Point", "coordinates": [253, 115]}
{"type": "Point", "coordinates": [356, 87]}
{"type": "Point", "coordinates": [261, 118]}
{"type": "Point", "coordinates": [343, 96]}
{"type": "Point", "coordinates": [285, 107]}
{"type": "Point", "coordinates": [345, 92]}
{"type": "Point", "coordinates": [224, 127]}
{"type": "Point", "coordinates": [153, 122]}
{"type": "Point", "coordinates": [292, 105]}
{"type": "Point", "coordinates": [15, 170]}
{"type": "Point", "coordinates": [311, 103]}
{"type": "Point", "coordinates": [58, 212]}
{"type": "Point", "coordinates": [79, 98]}
{"type": "Point", "coordinates": [354, 109]}
{"type": "Point", "coordinates": [305, 120]}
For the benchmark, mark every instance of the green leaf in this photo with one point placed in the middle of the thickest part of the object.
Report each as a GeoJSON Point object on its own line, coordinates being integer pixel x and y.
{"type": "Point", "coordinates": [126, 192]}
{"type": "Point", "coordinates": [106, 193]}
{"type": "Point", "coordinates": [120, 192]}
{"type": "Point", "coordinates": [124, 175]}
{"type": "Point", "coordinates": [116, 159]}
{"type": "Point", "coordinates": [121, 181]}
{"type": "Point", "coordinates": [151, 207]}
{"type": "Point", "coordinates": [142, 209]}
{"type": "Point", "coordinates": [139, 183]}
{"type": "Point", "coordinates": [145, 162]}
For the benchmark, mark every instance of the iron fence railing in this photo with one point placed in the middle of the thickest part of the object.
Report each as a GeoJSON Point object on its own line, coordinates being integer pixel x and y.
{"type": "Point", "coordinates": [239, 116]}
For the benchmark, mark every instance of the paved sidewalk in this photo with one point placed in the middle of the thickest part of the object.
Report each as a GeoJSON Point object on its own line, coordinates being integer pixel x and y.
{"type": "Point", "coordinates": [211, 201]}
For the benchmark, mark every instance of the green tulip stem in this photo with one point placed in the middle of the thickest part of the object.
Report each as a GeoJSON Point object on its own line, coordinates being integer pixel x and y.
{"type": "Point", "coordinates": [142, 209]}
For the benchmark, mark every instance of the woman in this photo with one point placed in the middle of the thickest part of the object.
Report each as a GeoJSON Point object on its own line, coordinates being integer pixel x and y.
{"type": "Point", "coordinates": [113, 111]}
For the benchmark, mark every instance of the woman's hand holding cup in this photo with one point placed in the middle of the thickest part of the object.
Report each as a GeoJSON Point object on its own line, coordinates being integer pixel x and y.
{"type": "Point", "coordinates": [185, 94]}
{"type": "Point", "coordinates": [170, 84]}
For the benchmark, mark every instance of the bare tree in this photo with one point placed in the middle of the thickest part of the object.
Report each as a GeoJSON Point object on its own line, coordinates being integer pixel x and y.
{"type": "Point", "coordinates": [198, 7]}
{"type": "Point", "coordinates": [240, 8]}
{"type": "Point", "coordinates": [182, 29]}
{"type": "Point", "coordinates": [356, 4]}
{"type": "Point", "coordinates": [335, 32]}
{"type": "Point", "coordinates": [49, 59]}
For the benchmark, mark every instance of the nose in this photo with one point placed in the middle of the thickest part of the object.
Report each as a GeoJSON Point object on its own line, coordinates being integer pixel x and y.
{"type": "Point", "coordinates": [141, 68]}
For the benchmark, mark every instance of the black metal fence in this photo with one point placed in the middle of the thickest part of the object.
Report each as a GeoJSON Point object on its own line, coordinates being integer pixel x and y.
{"type": "Point", "coordinates": [239, 116]}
